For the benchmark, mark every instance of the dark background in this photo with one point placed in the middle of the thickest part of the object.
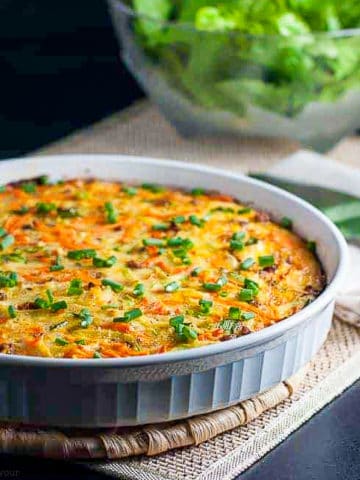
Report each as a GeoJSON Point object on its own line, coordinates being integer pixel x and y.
{"type": "Point", "coordinates": [59, 70]}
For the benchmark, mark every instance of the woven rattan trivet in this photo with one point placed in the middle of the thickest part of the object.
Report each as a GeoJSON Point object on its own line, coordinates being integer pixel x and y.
{"type": "Point", "coordinates": [148, 440]}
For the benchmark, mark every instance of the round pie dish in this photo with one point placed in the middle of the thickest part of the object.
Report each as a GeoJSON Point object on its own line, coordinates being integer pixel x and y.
{"type": "Point", "coordinates": [168, 386]}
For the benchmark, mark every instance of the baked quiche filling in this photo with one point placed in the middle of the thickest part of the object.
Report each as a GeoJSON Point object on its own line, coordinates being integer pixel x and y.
{"type": "Point", "coordinates": [97, 269]}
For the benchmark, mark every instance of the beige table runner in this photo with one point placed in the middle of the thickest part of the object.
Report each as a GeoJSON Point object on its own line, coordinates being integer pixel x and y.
{"type": "Point", "coordinates": [142, 131]}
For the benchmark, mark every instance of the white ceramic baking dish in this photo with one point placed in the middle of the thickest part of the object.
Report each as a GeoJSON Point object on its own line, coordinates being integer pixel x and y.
{"type": "Point", "coordinates": [169, 386]}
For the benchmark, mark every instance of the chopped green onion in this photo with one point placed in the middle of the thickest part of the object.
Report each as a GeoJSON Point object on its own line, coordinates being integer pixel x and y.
{"type": "Point", "coordinates": [41, 303]}
{"type": "Point", "coordinates": [234, 313]}
{"type": "Point", "coordinates": [246, 294]}
{"type": "Point", "coordinates": [58, 325]}
{"type": "Point", "coordinates": [215, 287]}
{"type": "Point", "coordinates": [11, 311]}
{"type": "Point", "coordinates": [81, 341]}
{"type": "Point", "coordinates": [61, 342]}
{"type": "Point", "coordinates": [75, 287]}
{"type": "Point", "coordinates": [244, 210]}
{"type": "Point", "coordinates": [252, 285]}
{"type": "Point", "coordinates": [81, 254]}
{"type": "Point", "coordinates": [179, 219]}
{"type": "Point", "coordinates": [197, 192]}
{"type": "Point", "coordinates": [2, 232]}
{"type": "Point", "coordinates": [161, 227]}
{"type": "Point", "coordinates": [129, 315]}
{"type": "Point", "coordinates": [266, 260]}
{"type": "Point", "coordinates": [205, 306]}
{"type": "Point", "coordinates": [50, 296]}
{"type": "Point", "coordinates": [44, 207]}
{"type": "Point", "coordinates": [311, 245]}
{"type": "Point", "coordinates": [247, 316]}
{"type": "Point", "coordinates": [68, 212]}
{"type": "Point", "coordinates": [29, 187]}
{"type": "Point", "coordinates": [61, 305]}
{"type": "Point", "coordinates": [180, 242]}
{"type": "Point", "coordinates": [222, 209]}
{"type": "Point", "coordinates": [21, 211]}
{"type": "Point", "coordinates": [8, 279]}
{"type": "Point", "coordinates": [194, 220]}
{"type": "Point", "coordinates": [176, 321]}
{"type": "Point", "coordinates": [247, 263]}
{"type": "Point", "coordinates": [85, 317]}
{"type": "Point", "coordinates": [154, 242]}
{"type": "Point", "coordinates": [139, 290]}
{"type": "Point", "coordinates": [115, 286]}
{"type": "Point", "coordinates": [152, 187]}
{"type": "Point", "coordinates": [229, 325]}
{"type": "Point", "coordinates": [131, 191]}
{"type": "Point", "coordinates": [287, 223]}
{"type": "Point", "coordinates": [236, 242]}
{"type": "Point", "coordinates": [6, 242]}
{"type": "Point", "coordinates": [104, 263]}
{"type": "Point", "coordinates": [251, 241]}
{"type": "Point", "coordinates": [195, 272]}
{"type": "Point", "coordinates": [183, 331]}
{"type": "Point", "coordinates": [97, 355]}
{"type": "Point", "coordinates": [111, 213]}
{"type": "Point", "coordinates": [44, 180]}
{"type": "Point", "coordinates": [57, 265]}
{"type": "Point", "coordinates": [2, 188]}
{"type": "Point", "coordinates": [106, 307]}
{"type": "Point", "coordinates": [171, 287]}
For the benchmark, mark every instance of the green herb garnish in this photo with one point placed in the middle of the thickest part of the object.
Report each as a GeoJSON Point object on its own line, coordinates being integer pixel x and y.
{"type": "Point", "coordinates": [75, 287]}
{"type": "Point", "coordinates": [311, 246]}
{"type": "Point", "coordinates": [61, 342]}
{"type": "Point", "coordinates": [153, 242]}
{"type": "Point", "coordinates": [6, 241]}
{"type": "Point", "coordinates": [198, 222]}
{"type": "Point", "coordinates": [131, 191]}
{"type": "Point", "coordinates": [85, 317]}
{"type": "Point", "coordinates": [237, 241]}
{"type": "Point", "coordinates": [287, 223]}
{"type": "Point", "coordinates": [266, 260]}
{"type": "Point", "coordinates": [129, 315]}
{"type": "Point", "coordinates": [115, 286]}
{"type": "Point", "coordinates": [104, 262]}
{"type": "Point", "coordinates": [81, 254]}
{"type": "Point", "coordinates": [152, 187]}
{"type": "Point", "coordinates": [43, 208]}
{"type": "Point", "coordinates": [205, 306]}
{"type": "Point", "coordinates": [197, 192]}
{"type": "Point", "coordinates": [61, 305]}
{"type": "Point", "coordinates": [215, 287]}
{"type": "Point", "coordinates": [139, 290]}
{"type": "Point", "coordinates": [8, 279]}
{"type": "Point", "coordinates": [243, 211]}
{"type": "Point", "coordinates": [183, 331]}
{"type": "Point", "coordinates": [110, 213]}
{"type": "Point", "coordinates": [12, 311]}
{"type": "Point", "coordinates": [57, 265]}
{"type": "Point", "coordinates": [179, 219]}
{"type": "Point", "coordinates": [171, 287]}
{"type": "Point", "coordinates": [247, 263]}
{"type": "Point", "coordinates": [29, 187]}
{"type": "Point", "coordinates": [161, 227]}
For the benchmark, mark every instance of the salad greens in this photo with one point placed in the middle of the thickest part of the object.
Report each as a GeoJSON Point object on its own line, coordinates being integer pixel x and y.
{"type": "Point", "coordinates": [277, 55]}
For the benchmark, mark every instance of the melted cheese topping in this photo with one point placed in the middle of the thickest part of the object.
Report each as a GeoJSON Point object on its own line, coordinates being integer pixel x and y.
{"type": "Point", "coordinates": [93, 269]}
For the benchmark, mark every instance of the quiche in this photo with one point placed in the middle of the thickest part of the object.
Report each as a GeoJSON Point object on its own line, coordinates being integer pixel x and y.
{"type": "Point", "coordinates": [98, 269]}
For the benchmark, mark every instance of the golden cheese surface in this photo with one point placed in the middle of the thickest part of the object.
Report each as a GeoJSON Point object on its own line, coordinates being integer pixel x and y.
{"type": "Point", "coordinates": [95, 269]}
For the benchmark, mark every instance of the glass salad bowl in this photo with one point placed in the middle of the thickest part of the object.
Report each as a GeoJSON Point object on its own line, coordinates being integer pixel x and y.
{"type": "Point", "coordinates": [210, 79]}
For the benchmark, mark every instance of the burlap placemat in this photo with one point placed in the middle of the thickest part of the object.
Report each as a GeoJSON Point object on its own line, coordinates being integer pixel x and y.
{"type": "Point", "coordinates": [142, 131]}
